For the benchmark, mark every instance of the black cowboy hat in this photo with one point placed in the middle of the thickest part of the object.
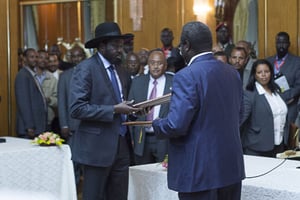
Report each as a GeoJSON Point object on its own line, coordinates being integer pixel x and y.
{"type": "Point", "coordinates": [104, 31]}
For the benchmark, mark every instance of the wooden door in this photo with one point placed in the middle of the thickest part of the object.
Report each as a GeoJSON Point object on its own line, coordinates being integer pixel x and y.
{"type": "Point", "coordinates": [275, 16]}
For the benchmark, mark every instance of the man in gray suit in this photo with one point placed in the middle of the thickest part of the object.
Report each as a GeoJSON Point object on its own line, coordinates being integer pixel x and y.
{"type": "Point", "coordinates": [30, 99]}
{"type": "Point", "coordinates": [147, 148]}
{"type": "Point", "coordinates": [287, 65]}
{"type": "Point", "coordinates": [69, 125]}
{"type": "Point", "coordinates": [97, 98]}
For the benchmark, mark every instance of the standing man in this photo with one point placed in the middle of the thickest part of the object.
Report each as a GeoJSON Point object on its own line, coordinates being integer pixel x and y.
{"type": "Point", "coordinates": [287, 66]}
{"type": "Point", "coordinates": [166, 38]}
{"type": "Point", "coordinates": [147, 148]}
{"type": "Point", "coordinates": [30, 99]}
{"type": "Point", "coordinates": [205, 151]}
{"type": "Point", "coordinates": [223, 38]}
{"type": "Point", "coordinates": [97, 95]}
{"type": "Point", "coordinates": [238, 59]}
{"type": "Point", "coordinates": [49, 86]}
{"type": "Point", "coordinates": [68, 125]}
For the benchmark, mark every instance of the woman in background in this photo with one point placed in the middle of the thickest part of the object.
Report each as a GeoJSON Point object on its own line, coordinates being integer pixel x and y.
{"type": "Point", "coordinates": [264, 114]}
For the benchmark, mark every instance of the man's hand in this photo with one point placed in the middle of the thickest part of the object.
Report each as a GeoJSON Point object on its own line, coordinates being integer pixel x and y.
{"type": "Point", "coordinates": [144, 111]}
{"type": "Point", "coordinates": [125, 108]}
{"type": "Point", "coordinates": [30, 133]}
{"type": "Point", "coordinates": [65, 132]}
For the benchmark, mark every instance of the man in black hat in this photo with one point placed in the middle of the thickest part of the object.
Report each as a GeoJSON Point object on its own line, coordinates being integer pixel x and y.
{"type": "Point", "coordinates": [97, 98]}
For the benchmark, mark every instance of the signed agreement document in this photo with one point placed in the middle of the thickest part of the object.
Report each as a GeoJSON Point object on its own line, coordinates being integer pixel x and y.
{"type": "Point", "coordinates": [149, 103]}
{"type": "Point", "coordinates": [153, 102]}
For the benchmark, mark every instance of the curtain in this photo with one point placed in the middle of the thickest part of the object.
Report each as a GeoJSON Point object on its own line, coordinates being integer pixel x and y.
{"type": "Point", "coordinates": [30, 28]}
{"type": "Point", "coordinates": [245, 27]}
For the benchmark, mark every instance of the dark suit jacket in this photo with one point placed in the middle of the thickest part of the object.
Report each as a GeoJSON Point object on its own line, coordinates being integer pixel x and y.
{"type": "Point", "coordinates": [91, 100]}
{"type": "Point", "coordinates": [291, 70]}
{"type": "Point", "coordinates": [257, 123]}
{"type": "Point", "coordinates": [205, 150]}
{"type": "Point", "coordinates": [65, 119]}
{"type": "Point", "coordinates": [138, 92]}
{"type": "Point", "coordinates": [31, 110]}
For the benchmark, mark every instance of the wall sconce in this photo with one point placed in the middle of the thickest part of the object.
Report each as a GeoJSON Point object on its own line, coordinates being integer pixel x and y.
{"type": "Point", "coordinates": [201, 8]}
{"type": "Point", "coordinates": [219, 6]}
{"type": "Point", "coordinates": [136, 14]}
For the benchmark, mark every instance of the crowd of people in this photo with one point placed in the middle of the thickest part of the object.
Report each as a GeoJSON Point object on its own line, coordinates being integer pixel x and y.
{"type": "Point", "coordinates": [225, 103]}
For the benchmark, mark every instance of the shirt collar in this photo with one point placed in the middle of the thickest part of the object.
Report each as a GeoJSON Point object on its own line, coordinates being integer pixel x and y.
{"type": "Point", "coordinates": [282, 59]}
{"type": "Point", "coordinates": [105, 62]}
{"type": "Point", "coordinates": [159, 79]}
{"type": "Point", "coordinates": [259, 88]}
{"type": "Point", "coordinates": [166, 48]}
{"type": "Point", "coordinates": [198, 55]}
{"type": "Point", "coordinates": [32, 72]}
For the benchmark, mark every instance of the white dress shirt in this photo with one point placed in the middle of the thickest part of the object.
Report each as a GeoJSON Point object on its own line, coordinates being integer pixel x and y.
{"type": "Point", "coordinates": [161, 82]}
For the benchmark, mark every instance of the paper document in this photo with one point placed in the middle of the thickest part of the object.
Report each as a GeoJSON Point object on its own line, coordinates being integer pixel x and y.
{"type": "Point", "coordinates": [282, 83]}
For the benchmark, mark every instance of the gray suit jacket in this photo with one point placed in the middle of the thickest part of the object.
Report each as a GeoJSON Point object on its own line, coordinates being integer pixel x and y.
{"type": "Point", "coordinates": [92, 101]}
{"type": "Point", "coordinates": [257, 123]}
{"type": "Point", "coordinates": [291, 70]}
{"type": "Point", "coordinates": [138, 92]}
{"type": "Point", "coordinates": [31, 110]}
{"type": "Point", "coordinates": [65, 119]}
{"type": "Point", "coordinates": [247, 72]}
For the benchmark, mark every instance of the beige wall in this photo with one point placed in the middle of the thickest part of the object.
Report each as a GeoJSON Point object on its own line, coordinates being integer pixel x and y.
{"type": "Point", "coordinates": [275, 16]}
{"type": "Point", "coordinates": [157, 15]}
{"type": "Point", "coordinates": [8, 57]}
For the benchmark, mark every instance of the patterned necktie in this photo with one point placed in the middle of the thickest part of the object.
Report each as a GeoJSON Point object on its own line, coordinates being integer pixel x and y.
{"type": "Point", "coordinates": [115, 85]}
{"type": "Point", "coordinates": [152, 96]}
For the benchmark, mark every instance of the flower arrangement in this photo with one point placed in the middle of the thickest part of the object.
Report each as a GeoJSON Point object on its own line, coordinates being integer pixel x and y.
{"type": "Point", "coordinates": [165, 162]}
{"type": "Point", "coordinates": [48, 139]}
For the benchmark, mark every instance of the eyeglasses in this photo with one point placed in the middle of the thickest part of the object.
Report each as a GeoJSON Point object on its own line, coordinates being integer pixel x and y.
{"type": "Point", "coordinates": [153, 62]}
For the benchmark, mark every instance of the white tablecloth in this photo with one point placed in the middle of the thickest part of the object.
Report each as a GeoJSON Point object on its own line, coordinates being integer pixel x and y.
{"type": "Point", "coordinates": [29, 169]}
{"type": "Point", "coordinates": [282, 183]}
{"type": "Point", "coordinates": [149, 182]}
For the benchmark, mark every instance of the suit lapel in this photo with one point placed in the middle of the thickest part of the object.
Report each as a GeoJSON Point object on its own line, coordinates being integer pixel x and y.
{"type": "Point", "coordinates": [105, 76]}
{"type": "Point", "coordinates": [265, 102]}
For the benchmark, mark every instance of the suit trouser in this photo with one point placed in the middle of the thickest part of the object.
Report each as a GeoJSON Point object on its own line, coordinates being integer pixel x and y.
{"type": "Point", "coordinates": [108, 183]}
{"type": "Point", "coordinates": [231, 192]}
{"type": "Point", "coordinates": [153, 152]}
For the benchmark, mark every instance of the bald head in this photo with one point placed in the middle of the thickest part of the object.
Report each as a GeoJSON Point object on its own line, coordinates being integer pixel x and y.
{"type": "Point", "coordinates": [195, 38]}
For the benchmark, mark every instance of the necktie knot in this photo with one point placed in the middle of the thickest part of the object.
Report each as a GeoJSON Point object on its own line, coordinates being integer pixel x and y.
{"type": "Point", "coordinates": [111, 68]}
{"type": "Point", "coordinates": [155, 82]}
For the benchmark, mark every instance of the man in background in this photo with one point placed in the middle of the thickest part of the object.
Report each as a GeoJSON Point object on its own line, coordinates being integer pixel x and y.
{"type": "Point", "coordinates": [69, 125]}
{"type": "Point", "coordinates": [287, 67]}
{"type": "Point", "coordinates": [49, 86]}
{"type": "Point", "coordinates": [147, 148]}
{"type": "Point", "coordinates": [166, 38]}
{"type": "Point", "coordinates": [238, 59]}
{"type": "Point", "coordinates": [223, 38]}
{"type": "Point", "coordinates": [30, 99]}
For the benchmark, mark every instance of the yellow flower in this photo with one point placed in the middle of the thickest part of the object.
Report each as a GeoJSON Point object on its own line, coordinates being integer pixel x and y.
{"type": "Point", "coordinates": [48, 138]}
